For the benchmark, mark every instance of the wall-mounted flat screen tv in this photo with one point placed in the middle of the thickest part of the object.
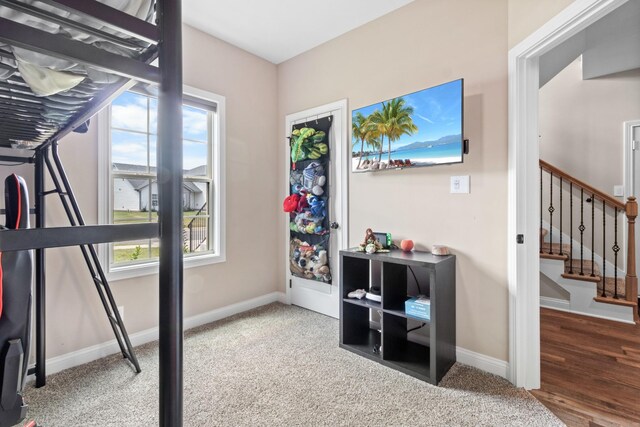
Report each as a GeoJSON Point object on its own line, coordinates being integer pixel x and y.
{"type": "Point", "coordinates": [424, 128]}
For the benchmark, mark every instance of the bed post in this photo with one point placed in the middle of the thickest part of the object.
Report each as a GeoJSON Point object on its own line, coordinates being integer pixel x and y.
{"type": "Point", "coordinates": [169, 154]}
{"type": "Point", "coordinates": [40, 267]}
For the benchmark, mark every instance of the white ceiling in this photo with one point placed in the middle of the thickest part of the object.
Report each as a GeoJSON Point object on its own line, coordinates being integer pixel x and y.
{"type": "Point", "coordinates": [277, 30]}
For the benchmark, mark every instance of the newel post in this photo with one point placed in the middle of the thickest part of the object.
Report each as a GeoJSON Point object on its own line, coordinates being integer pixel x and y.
{"type": "Point", "coordinates": [631, 280]}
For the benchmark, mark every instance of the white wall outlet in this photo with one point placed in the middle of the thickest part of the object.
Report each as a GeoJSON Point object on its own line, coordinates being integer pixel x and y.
{"type": "Point", "coordinates": [460, 185]}
{"type": "Point", "coordinates": [618, 190]}
{"type": "Point", "coordinates": [121, 311]}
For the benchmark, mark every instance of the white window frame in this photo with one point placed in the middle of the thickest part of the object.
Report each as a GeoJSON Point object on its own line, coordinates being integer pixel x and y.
{"type": "Point", "coordinates": [217, 193]}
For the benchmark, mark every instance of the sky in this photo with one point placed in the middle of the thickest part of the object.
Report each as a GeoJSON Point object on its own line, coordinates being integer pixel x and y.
{"type": "Point", "coordinates": [436, 113]}
{"type": "Point", "coordinates": [129, 112]}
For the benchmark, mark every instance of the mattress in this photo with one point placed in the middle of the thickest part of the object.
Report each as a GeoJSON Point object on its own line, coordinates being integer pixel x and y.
{"type": "Point", "coordinates": [47, 75]}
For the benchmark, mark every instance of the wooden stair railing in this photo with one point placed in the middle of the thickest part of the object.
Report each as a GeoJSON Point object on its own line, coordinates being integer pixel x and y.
{"type": "Point", "coordinates": [580, 268]}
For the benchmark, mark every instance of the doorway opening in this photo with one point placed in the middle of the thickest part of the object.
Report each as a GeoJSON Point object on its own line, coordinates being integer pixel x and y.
{"type": "Point", "coordinates": [524, 181]}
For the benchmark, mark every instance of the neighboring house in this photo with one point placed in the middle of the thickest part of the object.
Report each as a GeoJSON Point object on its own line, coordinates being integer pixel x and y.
{"type": "Point", "coordinates": [133, 194]}
{"type": "Point", "coordinates": [194, 195]}
{"type": "Point", "coordinates": [125, 195]}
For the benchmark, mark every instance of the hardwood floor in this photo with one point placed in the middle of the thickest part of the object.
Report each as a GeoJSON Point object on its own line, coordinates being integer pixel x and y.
{"type": "Point", "coordinates": [590, 369]}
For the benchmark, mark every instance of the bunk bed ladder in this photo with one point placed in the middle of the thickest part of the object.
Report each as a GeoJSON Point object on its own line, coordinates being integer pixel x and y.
{"type": "Point", "coordinates": [70, 205]}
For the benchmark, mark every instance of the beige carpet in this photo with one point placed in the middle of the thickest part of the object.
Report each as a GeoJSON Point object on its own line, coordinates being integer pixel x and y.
{"type": "Point", "coordinates": [279, 365]}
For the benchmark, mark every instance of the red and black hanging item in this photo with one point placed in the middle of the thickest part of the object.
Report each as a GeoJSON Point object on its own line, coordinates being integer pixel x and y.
{"type": "Point", "coordinates": [11, 223]}
{"type": "Point", "coordinates": [15, 307]}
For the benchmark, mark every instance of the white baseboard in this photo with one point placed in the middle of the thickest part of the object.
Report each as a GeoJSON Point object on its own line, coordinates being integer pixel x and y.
{"type": "Point", "coordinates": [556, 303]}
{"type": "Point", "coordinates": [584, 313]}
{"type": "Point", "coordinates": [98, 351]}
{"type": "Point", "coordinates": [484, 363]}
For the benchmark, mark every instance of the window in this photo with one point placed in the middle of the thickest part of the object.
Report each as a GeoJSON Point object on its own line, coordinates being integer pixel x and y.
{"type": "Point", "coordinates": [129, 178]}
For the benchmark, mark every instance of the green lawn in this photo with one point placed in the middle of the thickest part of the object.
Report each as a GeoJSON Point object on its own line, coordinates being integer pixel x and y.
{"type": "Point", "coordinates": [125, 255]}
{"type": "Point", "coordinates": [122, 217]}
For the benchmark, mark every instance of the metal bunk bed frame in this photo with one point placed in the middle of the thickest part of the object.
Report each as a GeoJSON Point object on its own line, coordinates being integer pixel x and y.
{"type": "Point", "coordinates": [20, 118]}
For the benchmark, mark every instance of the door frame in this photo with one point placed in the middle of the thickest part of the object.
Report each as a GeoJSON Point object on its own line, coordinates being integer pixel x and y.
{"type": "Point", "coordinates": [341, 164]}
{"type": "Point", "coordinates": [524, 187]}
{"type": "Point", "coordinates": [628, 167]}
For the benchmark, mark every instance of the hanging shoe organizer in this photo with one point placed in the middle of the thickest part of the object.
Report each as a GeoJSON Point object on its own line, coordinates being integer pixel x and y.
{"type": "Point", "coordinates": [308, 202]}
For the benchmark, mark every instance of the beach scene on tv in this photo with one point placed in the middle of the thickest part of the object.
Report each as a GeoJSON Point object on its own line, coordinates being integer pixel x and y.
{"type": "Point", "coordinates": [420, 129]}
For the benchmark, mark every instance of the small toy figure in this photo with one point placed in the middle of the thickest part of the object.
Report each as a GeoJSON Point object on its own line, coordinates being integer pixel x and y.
{"type": "Point", "coordinates": [371, 244]}
{"type": "Point", "coordinates": [291, 203]}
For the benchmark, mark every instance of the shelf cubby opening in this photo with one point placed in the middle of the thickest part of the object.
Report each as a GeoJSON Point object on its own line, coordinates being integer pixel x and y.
{"type": "Point", "coordinates": [412, 358]}
{"type": "Point", "coordinates": [355, 275]}
{"type": "Point", "coordinates": [360, 336]}
{"type": "Point", "coordinates": [367, 344]}
{"type": "Point", "coordinates": [400, 282]}
{"type": "Point", "coordinates": [398, 350]}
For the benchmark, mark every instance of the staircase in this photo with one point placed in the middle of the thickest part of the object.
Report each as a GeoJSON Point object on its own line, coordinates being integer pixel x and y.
{"type": "Point", "coordinates": [580, 233]}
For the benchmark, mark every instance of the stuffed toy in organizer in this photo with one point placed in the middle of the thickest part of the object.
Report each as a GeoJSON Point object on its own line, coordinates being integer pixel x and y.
{"type": "Point", "coordinates": [309, 261]}
{"type": "Point", "coordinates": [314, 178]}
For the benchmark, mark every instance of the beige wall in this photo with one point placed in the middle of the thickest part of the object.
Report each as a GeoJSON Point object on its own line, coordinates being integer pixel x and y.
{"type": "Point", "coordinates": [581, 123]}
{"type": "Point", "coordinates": [75, 318]}
{"type": "Point", "coordinates": [526, 16]}
{"type": "Point", "coordinates": [417, 46]}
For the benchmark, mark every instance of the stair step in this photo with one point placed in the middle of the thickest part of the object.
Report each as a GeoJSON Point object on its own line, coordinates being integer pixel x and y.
{"type": "Point", "coordinates": [586, 269]}
{"type": "Point", "coordinates": [610, 290]}
{"type": "Point", "coordinates": [555, 247]}
{"type": "Point", "coordinates": [586, 277]}
{"type": "Point", "coordinates": [616, 301]}
{"type": "Point", "coordinates": [556, 256]}
{"type": "Point", "coordinates": [557, 252]}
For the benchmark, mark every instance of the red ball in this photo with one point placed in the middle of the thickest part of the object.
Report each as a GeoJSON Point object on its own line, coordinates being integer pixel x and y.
{"type": "Point", "coordinates": [406, 245]}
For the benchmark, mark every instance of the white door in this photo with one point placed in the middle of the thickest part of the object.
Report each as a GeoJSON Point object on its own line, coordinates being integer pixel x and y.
{"type": "Point", "coordinates": [311, 294]}
{"type": "Point", "coordinates": [632, 130]}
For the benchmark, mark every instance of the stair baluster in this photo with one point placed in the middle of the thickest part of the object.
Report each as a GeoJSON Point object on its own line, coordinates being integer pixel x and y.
{"type": "Point", "coordinates": [616, 249]}
{"type": "Point", "coordinates": [604, 249]}
{"type": "Point", "coordinates": [541, 237]}
{"type": "Point", "coordinates": [561, 251]}
{"type": "Point", "coordinates": [581, 228]}
{"type": "Point", "coordinates": [593, 233]}
{"type": "Point", "coordinates": [571, 227]}
{"type": "Point", "coordinates": [551, 209]}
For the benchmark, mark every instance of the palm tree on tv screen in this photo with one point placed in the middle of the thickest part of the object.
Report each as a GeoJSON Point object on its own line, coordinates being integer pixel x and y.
{"type": "Point", "coordinates": [360, 131]}
{"type": "Point", "coordinates": [379, 127]}
{"type": "Point", "coordinates": [373, 141]}
{"type": "Point", "coordinates": [398, 121]}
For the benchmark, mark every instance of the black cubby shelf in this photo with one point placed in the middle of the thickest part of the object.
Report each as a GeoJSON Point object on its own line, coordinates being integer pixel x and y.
{"type": "Point", "coordinates": [364, 303]}
{"type": "Point", "coordinates": [401, 313]}
{"type": "Point", "coordinates": [389, 342]}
